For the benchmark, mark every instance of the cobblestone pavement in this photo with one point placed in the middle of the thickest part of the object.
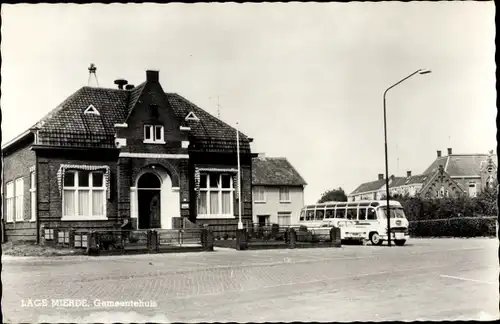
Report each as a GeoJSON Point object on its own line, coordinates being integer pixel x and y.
{"type": "Point", "coordinates": [441, 279]}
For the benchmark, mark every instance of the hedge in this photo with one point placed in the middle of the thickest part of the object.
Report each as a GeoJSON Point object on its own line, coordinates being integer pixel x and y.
{"type": "Point", "coordinates": [421, 208]}
{"type": "Point", "coordinates": [454, 227]}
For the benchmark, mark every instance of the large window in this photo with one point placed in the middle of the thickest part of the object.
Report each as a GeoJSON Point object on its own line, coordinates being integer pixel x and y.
{"type": "Point", "coordinates": [352, 213]}
{"type": "Point", "coordinates": [10, 201]}
{"type": "Point", "coordinates": [259, 194]}
{"type": "Point", "coordinates": [362, 214]}
{"type": "Point", "coordinates": [33, 195]}
{"type": "Point", "coordinates": [371, 215]}
{"type": "Point", "coordinates": [319, 215]}
{"type": "Point", "coordinates": [84, 195]}
{"type": "Point", "coordinates": [19, 192]}
{"type": "Point", "coordinates": [284, 194]}
{"type": "Point", "coordinates": [153, 134]}
{"type": "Point", "coordinates": [284, 218]}
{"type": "Point", "coordinates": [340, 213]}
{"type": "Point", "coordinates": [216, 195]}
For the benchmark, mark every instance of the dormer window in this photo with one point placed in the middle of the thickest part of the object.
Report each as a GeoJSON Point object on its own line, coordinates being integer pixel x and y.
{"type": "Point", "coordinates": [192, 116]}
{"type": "Point", "coordinates": [154, 134]}
{"type": "Point", "coordinates": [91, 110]}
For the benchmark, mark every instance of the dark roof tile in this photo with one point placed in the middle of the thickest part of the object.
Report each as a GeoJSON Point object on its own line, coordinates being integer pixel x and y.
{"type": "Point", "coordinates": [275, 172]}
{"type": "Point", "coordinates": [369, 186]}
{"type": "Point", "coordinates": [67, 125]}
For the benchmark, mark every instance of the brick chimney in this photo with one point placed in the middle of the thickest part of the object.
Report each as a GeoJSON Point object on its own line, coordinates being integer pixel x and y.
{"type": "Point", "coordinates": [381, 176]}
{"type": "Point", "coordinates": [152, 76]}
{"type": "Point", "coordinates": [438, 154]}
{"type": "Point", "coordinates": [408, 174]}
{"type": "Point", "coordinates": [450, 152]}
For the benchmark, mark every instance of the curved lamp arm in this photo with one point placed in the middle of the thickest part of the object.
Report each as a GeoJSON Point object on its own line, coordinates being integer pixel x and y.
{"type": "Point", "coordinates": [419, 71]}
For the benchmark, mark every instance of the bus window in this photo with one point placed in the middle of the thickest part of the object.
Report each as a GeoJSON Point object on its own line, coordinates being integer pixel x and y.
{"type": "Point", "coordinates": [310, 215]}
{"type": "Point", "coordinates": [371, 214]}
{"type": "Point", "coordinates": [329, 213]}
{"type": "Point", "coordinates": [319, 214]}
{"type": "Point", "coordinates": [352, 213]}
{"type": "Point", "coordinates": [362, 214]}
{"type": "Point", "coordinates": [302, 213]}
{"type": "Point", "coordinates": [340, 213]}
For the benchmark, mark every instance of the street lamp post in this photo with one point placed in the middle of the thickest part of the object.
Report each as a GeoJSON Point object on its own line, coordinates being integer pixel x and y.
{"type": "Point", "coordinates": [388, 214]}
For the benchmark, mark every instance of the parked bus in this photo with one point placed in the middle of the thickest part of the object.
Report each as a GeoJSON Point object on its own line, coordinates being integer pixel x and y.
{"type": "Point", "coordinates": [364, 220]}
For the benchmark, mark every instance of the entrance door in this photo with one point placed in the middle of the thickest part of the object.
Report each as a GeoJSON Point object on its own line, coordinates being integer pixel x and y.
{"type": "Point", "coordinates": [263, 220]}
{"type": "Point", "coordinates": [148, 195]}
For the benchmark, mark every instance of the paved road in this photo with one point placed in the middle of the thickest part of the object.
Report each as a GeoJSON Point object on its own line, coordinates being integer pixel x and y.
{"type": "Point", "coordinates": [442, 279]}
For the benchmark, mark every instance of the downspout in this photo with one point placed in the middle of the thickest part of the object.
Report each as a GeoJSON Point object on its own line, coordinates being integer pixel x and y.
{"type": "Point", "coordinates": [36, 199]}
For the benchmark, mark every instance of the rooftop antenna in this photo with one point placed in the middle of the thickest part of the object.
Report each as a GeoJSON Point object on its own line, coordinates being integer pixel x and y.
{"type": "Point", "coordinates": [218, 106]}
{"type": "Point", "coordinates": [92, 71]}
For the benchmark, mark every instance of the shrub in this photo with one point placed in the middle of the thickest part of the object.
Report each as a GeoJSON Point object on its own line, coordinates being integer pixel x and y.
{"type": "Point", "coordinates": [454, 227]}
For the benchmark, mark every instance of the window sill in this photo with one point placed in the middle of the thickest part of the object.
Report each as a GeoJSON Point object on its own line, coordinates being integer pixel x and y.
{"type": "Point", "coordinates": [83, 218]}
{"type": "Point", "coordinates": [153, 142]}
{"type": "Point", "coordinates": [218, 216]}
{"type": "Point", "coordinates": [260, 201]}
{"type": "Point", "coordinates": [285, 201]}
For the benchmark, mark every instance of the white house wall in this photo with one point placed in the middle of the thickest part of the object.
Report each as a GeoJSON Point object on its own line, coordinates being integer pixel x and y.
{"type": "Point", "coordinates": [272, 205]}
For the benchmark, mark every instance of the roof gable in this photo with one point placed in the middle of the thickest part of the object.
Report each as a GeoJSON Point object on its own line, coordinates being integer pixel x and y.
{"type": "Point", "coordinates": [275, 172]}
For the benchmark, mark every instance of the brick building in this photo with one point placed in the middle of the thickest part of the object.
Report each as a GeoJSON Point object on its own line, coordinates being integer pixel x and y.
{"type": "Point", "coordinates": [447, 176]}
{"type": "Point", "coordinates": [139, 156]}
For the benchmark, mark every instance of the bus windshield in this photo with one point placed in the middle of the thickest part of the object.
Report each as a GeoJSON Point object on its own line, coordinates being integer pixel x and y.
{"type": "Point", "coordinates": [396, 212]}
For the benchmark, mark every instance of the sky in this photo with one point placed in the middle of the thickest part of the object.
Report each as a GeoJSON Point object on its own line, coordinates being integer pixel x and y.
{"type": "Point", "coordinates": [305, 80]}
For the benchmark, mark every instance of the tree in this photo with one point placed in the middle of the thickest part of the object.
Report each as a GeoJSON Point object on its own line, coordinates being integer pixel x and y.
{"type": "Point", "coordinates": [333, 195]}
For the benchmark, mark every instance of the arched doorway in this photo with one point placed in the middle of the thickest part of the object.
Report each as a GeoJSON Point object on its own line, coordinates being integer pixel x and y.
{"type": "Point", "coordinates": [149, 201]}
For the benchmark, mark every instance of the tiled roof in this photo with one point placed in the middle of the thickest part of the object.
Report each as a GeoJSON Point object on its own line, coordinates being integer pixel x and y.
{"type": "Point", "coordinates": [417, 179]}
{"type": "Point", "coordinates": [208, 128]}
{"type": "Point", "coordinates": [275, 171]}
{"type": "Point", "coordinates": [369, 186]}
{"type": "Point", "coordinates": [460, 165]}
{"type": "Point", "coordinates": [67, 125]}
{"type": "Point", "coordinates": [396, 182]}
{"type": "Point", "coordinates": [435, 165]}
{"type": "Point", "coordinates": [466, 165]}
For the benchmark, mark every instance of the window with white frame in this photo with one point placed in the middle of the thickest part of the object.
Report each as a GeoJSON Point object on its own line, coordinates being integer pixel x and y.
{"type": "Point", "coordinates": [284, 194]}
{"type": "Point", "coordinates": [9, 199]}
{"type": "Point", "coordinates": [216, 195]}
{"type": "Point", "coordinates": [19, 193]}
{"type": "Point", "coordinates": [153, 134]}
{"type": "Point", "coordinates": [33, 195]}
{"type": "Point", "coordinates": [84, 195]}
{"type": "Point", "coordinates": [259, 194]}
{"type": "Point", "coordinates": [284, 218]}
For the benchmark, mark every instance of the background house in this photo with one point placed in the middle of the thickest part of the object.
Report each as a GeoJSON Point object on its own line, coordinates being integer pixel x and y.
{"type": "Point", "coordinates": [447, 176]}
{"type": "Point", "coordinates": [278, 191]}
{"type": "Point", "coordinates": [134, 155]}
